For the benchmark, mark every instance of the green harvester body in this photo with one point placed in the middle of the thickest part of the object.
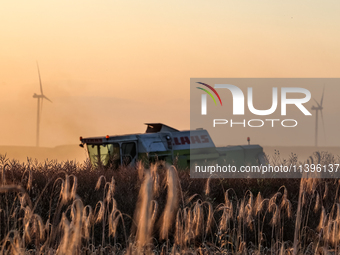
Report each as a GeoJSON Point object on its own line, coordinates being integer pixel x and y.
{"type": "Point", "coordinates": [161, 142]}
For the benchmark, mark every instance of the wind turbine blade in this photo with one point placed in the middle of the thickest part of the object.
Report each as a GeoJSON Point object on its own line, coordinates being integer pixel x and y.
{"type": "Point", "coordinates": [41, 90]}
{"type": "Point", "coordinates": [323, 126]}
{"type": "Point", "coordinates": [46, 98]}
{"type": "Point", "coordinates": [317, 102]}
{"type": "Point", "coordinates": [323, 92]}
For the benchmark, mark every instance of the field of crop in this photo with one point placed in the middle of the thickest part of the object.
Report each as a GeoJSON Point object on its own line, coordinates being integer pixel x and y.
{"type": "Point", "coordinates": [69, 208]}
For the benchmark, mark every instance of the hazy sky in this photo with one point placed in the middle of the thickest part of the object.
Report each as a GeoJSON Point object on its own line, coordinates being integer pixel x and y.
{"type": "Point", "coordinates": [109, 66]}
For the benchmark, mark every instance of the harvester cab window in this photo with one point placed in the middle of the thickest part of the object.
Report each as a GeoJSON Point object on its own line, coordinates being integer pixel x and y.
{"type": "Point", "coordinates": [109, 152]}
{"type": "Point", "coordinates": [114, 154]}
{"type": "Point", "coordinates": [103, 153]}
{"type": "Point", "coordinates": [93, 153]}
{"type": "Point", "coordinates": [105, 150]}
{"type": "Point", "coordinates": [129, 152]}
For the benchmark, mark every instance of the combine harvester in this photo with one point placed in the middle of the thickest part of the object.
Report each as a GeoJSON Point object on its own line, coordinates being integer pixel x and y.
{"type": "Point", "coordinates": [161, 142]}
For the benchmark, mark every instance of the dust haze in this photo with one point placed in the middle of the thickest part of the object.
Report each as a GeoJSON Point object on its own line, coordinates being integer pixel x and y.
{"type": "Point", "coordinates": [109, 68]}
{"type": "Point", "coordinates": [70, 116]}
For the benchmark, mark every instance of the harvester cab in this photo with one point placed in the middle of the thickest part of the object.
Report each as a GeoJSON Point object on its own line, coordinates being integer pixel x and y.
{"type": "Point", "coordinates": [161, 142]}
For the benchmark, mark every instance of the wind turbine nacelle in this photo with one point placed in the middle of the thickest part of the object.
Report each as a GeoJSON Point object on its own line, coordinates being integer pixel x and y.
{"type": "Point", "coordinates": [317, 108]}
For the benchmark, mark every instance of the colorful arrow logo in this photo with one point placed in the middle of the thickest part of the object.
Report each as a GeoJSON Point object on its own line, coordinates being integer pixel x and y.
{"type": "Point", "coordinates": [209, 93]}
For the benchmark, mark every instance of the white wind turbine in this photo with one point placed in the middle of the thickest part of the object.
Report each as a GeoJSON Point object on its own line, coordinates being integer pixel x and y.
{"type": "Point", "coordinates": [318, 108]}
{"type": "Point", "coordinates": [39, 97]}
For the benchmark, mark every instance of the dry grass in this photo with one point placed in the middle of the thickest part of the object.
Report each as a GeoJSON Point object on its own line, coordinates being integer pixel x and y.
{"type": "Point", "coordinates": [70, 208]}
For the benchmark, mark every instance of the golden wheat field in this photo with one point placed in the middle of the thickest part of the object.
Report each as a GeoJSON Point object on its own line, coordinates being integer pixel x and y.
{"type": "Point", "coordinates": [66, 207]}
